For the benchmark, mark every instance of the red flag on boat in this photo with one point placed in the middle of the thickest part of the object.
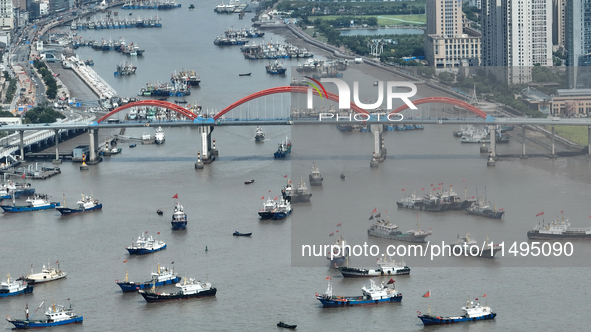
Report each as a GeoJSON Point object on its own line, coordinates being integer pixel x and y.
{"type": "Point", "coordinates": [337, 231]}
{"type": "Point", "coordinates": [402, 189]}
{"type": "Point", "coordinates": [434, 188]}
{"type": "Point", "coordinates": [339, 224]}
{"type": "Point", "coordinates": [146, 232]}
{"type": "Point", "coordinates": [451, 185]}
{"type": "Point", "coordinates": [428, 294]}
{"type": "Point", "coordinates": [57, 262]}
{"type": "Point", "coordinates": [276, 197]}
{"type": "Point", "coordinates": [172, 262]}
{"type": "Point", "coordinates": [327, 278]}
{"type": "Point", "coordinates": [476, 299]}
{"type": "Point", "coordinates": [269, 190]}
{"type": "Point", "coordinates": [484, 295]}
{"type": "Point", "coordinates": [158, 233]}
{"type": "Point", "coordinates": [422, 188]}
{"type": "Point", "coordinates": [560, 211]}
{"type": "Point", "coordinates": [263, 197]}
{"type": "Point", "coordinates": [440, 184]}
{"type": "Point", "coordinates": [22, 177]}
{"type": "Point", "coordinates": [285, 176]}
{"type": "Point", "coordinates": [391, 281]}
{"type": "Point", "coordinates": [463, 180]}
{"type": "Point", "coordinates": [431, 184]}
{"type": "Point", "coordinates": [374, 210]}
{"type": "Point", "coordinates": [175, 196]}
{"type": "Point", "coordinates": [125, 261]}
{"type": "Point", "coordinates": [331, 234]}
{"type": "Point", "coordinates": [289, 181]}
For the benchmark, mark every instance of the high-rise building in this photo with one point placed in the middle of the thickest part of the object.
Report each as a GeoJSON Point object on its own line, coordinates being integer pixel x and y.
{"type": "Point", "coordinates": [448, 43]}
{"type": "Point", "coordinates": [6, 21]}
{"type": "Point", "coordinates": [57, 6]}
{"type": "Point", "coordinates": [558, 22]}
{"type": "Point", "coordinates": [578, 43]}
{"type": "Point", "coordinates": [516, 35]}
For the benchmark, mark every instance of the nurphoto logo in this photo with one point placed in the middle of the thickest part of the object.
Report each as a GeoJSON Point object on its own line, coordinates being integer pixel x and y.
{"type": "Point", "coordinates": [345, 93]}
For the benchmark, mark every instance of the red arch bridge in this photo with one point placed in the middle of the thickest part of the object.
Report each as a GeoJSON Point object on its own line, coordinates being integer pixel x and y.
{"type": "Point", "coordinates": [184, 117]}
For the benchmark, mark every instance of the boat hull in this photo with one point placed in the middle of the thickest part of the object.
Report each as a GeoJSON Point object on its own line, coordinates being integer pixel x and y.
{"type": "Point", "coordinates": [143, 251]}
{"type": "Point", "coordinates": [66, 211]}
{"type": "Point", "coordinates": [40, 281]}
{"type": "Point", "coordinates": [431, 320]}
{"type": "Point", "coordinates": [298, 198]}
{"type": "Point", "coordinates": [27, 290]}
{"type": "Point", "coordinates": [282, 154]}
{"type": "Point", "coordinates": [178, 225]}
{"type": "Point", "coordinates": [12, 209]}
{"type": "Point", "coordinates": [492, 215]}
{"type": "Point", "coordinates": [156, 297]}
{"type": "Point", "coordinates": [35, 324]}
{"type": "Point", "coordinates": [314, 181]}
{"type": "Point", "coordinates": [399, 237]}
{"type": "Point", "coordinates": [537, 235]}
{"type": "Point", "coordinates": [128, 287]}
{"type": "Point", "coordinates": [355, 301]}
{"type": "Point", "coordinates": [365, 273]}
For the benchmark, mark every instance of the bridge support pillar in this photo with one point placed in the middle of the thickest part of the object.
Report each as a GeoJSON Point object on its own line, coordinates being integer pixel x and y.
{"type": "Point", "coordinates": [589, 140]}
{"type": "Point", "coordinates": [493, 142]}
{"type": "Point", "coordinates": [553, 155]}
{"type": "Point", "coordinates": [206, 143]}
{"type": "Point", "coordinates": [214, 151]}
{"type": "Point", "coordinates": [57, 159]}
{"type": "Point", "coordinates": [378, 155]}
{"type": "Point", "coordinates": [21, 134]}
{"type": "Point", "coordinates": [92, 145]}
{"type": "Point", "coordinates": [523, 155]}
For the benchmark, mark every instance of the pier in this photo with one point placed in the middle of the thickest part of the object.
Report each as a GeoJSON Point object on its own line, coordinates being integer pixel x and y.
{"type": "Point", "coordinates": [101, 88]}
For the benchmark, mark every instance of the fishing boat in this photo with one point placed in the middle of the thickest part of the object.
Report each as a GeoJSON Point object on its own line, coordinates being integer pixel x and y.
{"type": "Point", "coordinates": [315, 176]}
{"type": "Point", "coordinates": [282, 210]}
{"type": "Point", "coordinates": [191, 6]}
{"type": "Point", "coordinates": [268, 209]}
{"type": "Point", "coordinates": [10, 189]}
{"type": "Point", "coordinates": [297, 195]}
{"type": "Point", "coordinates": [159, 136]}
{"type": "Point", "coordinates": [340, 252]}
{"type": "Point", "coordinates": [287, 326]}
{"type": "Point", "coordinates": [371, 295]}
{"type": "Point", "coordinates": [132, 145]}
{"type": "Point", "coordinates": [387, 267]}
{"type": "Point", "coordinates": [480, 209]}
{"type": "Point", "coordinates": [86, 204]}
{"type": "Point", "coordinates": [276, 68]}
{"type": "Point", "coordinates": [48, 273]}
{"type": "Point", "coordinates": [249, 181]}
{"type": "Point", "coordinates": [189, 289]}
{"type": "Point", "coordinates": [342, 176]}
{"type": "Point", "coordinates": [471, 312]}
{"type": "Point", "coordinates": [116, 150]}
{"type": "Point", "coordinates": [38, 202]}
{"type": "Point", "coordinates": [125, 69]}
{"type": "Point", "coordinates": [162, 276]}
{"type": "Point", "coordinates": [259, 136]}
{"type": "Point", "coordinates": [145, 245]}
{"type": "Point", "coordinates": [14, 287]}
{"type": "Point", "coordinates": [179, 218]}
{"type": "Point", "coordinates": [284, 149]}
{"type": "Point", "coordinates": [159, 212]}
{"type": "Point", "coordinates": [237, 233]}
{"type": "Point", "coordinates": [559, 229]}
{"type": "Point", "coordinates": [411, 202]}
{"type": "Point", "coordinates": [455, 202]}
{"type": "Point", "coordinates": [383, 228]}
{"type": "Point", "coordinates": [465, 246]}
{"type": "Point", "coordinates": [55, 316]}
{"type": "Point", "coordinates": [246, 74]}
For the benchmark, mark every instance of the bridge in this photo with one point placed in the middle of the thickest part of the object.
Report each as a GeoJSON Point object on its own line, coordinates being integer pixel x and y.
{"type": "Point", "coordinates": [432, 110]}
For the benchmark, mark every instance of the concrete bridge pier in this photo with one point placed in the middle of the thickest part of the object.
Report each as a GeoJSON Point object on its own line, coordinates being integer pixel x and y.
{"type": "Point", "coordinates": [378, 155]}
{"type": "Point", "coordinates": [213, 151]}
{"type": "Point", "coordinates": [553, 155]}
{"type": "Point", "coordinates": [523, 155]}
{"type": "Point", "coordinates": [57, 159]}
{"type": "Point", "coordinates": [493, 147]}
{"type": "Point", "coordinates": [589, 140]}
{"type": "Point", "coordinates": [21, 144]}
{"type": "Point", "coordinates": [93, 146]}
{"type": "Point", "coordinates": [205, 132]}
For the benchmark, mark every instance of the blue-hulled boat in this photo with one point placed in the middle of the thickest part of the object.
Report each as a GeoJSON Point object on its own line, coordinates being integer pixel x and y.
{"type": "Point", "coordinates": [38, 202]}
{"type": "Point", "coordinates": [86, 204]}
{"type": "Point", "coordinates": [284, 149]}
{"type": "Point", "coordinates": [372, 294]}
{"type": "Point", "coordinates": [179, 218]}
{"type": "Point", "coordinates": [56, 315]}
{"type": "Point", "coordinates": [282, 210]}
{"type": "Point", "coordinates": [7, 190]}
{"type": "Point", "coordinates": [472, 312]}
{"type": "Point", "coordinates": [145, 245]}
{"type": "Point", "coordinates": [14, 287]}
{"type": "Point", "coordinates": [163, 276]}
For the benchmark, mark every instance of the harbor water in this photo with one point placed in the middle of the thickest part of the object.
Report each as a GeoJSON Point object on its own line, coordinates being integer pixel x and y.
{"type": "Point", "coordinates": [263, 279]}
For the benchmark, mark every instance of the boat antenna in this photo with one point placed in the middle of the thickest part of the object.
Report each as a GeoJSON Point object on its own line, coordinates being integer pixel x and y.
{"type": "Point", "coordinates": [64, 199]}
{"type": "Point", "coordinates": [37, 309]}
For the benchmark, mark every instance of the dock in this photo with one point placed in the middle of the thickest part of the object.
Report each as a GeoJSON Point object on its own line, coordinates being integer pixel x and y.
{"type": "Point", "coordinates": [101, 88]}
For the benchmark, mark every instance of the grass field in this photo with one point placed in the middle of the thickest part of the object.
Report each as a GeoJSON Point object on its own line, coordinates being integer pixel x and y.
{"type": "Point", "coordinates": [577, 134]}
{"type": "Point", "coordinates": [415, 19]}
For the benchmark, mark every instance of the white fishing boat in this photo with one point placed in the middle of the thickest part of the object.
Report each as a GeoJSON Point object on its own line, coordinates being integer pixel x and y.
{"type": "Point", "coordinates": [159, 136]}
{"type": "Point", "coordinates": [48, 273]}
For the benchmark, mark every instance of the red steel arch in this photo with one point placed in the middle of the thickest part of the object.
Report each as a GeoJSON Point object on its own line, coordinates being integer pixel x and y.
{"type": "Point", "coordinates": [283, 89]}
{"type": "Point", "coordinates": [444, 100]}
{"type": "Point", "coordinates": [158, 103]}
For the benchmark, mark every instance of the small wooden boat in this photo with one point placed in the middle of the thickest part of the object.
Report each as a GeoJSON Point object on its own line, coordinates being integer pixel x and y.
{"type": "Point", "coordinates": [162, 99]}
{"type": "Point", "coordinates": [159, 212]}
{"type": "Point", "coordinates": [237, 233]}
{"type": "Point", "coordinates": [287, 326]}
{"type": "Point", "coordinates": [247, 74]}
{"type": "Point", "coordinates": [249, 181]}
{"type": "Point", "coordinates": [132, 145]}
{"type": "Point", "coordinates": [342, 176]}
{"type": "Point", "coordinates": [180, 101]}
